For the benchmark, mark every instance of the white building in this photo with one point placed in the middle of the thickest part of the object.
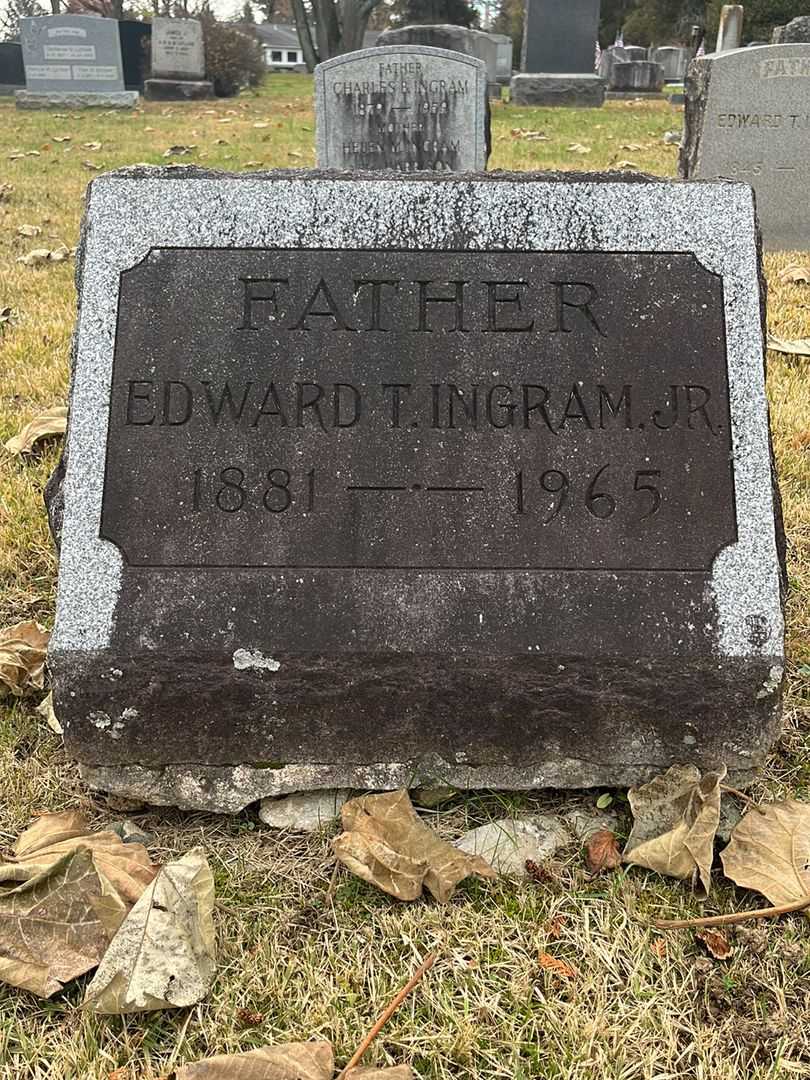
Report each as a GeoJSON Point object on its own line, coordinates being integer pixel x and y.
{"type": "Point", "coordinates": [282, 49]}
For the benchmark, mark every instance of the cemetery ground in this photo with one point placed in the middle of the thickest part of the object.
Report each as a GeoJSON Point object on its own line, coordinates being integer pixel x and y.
{"type": "Point", "coordinates": [306, 953]}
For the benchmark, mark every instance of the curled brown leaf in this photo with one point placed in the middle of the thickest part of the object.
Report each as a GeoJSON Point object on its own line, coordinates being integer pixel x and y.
{"type": "Point", "coordinates": [602, 852]}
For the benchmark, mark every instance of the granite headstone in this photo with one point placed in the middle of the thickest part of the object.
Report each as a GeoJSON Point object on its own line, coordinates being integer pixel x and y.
{"type": "Point", "coordinates": [72, 61]}
{"type": "Point", "coordinates": [748, 118]}
{"type": "Point", "coordinates": [178, 61]}
{"type": "Point", "coordinates": [135, 40]}
{"type": "Point", "coordinates": [797, 30]}
{"type": "Point", "coordinates": [557, 61]}
{"type": "Point", "coordinates": [635, 52]}
{"type": "Point", "coordinates": [404, 107]}
{"type": "Point", "coordinates": [504, 56]}
{"type": "Point", "coordinates": [636, 77]}
{"type": "Point", "coordinates": [674, 60]}
{"type": "Point", "coordinates": [729, 30]}
{"type": "Point", "coordinates": [378, 480]}
{"type": "Point", "coordinates": [451, 38]}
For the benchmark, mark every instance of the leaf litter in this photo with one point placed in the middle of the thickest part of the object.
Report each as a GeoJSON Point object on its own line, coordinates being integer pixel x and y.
{"type": "Point", "coordinates": [46, 425]}
{"type": "Point", "coordinates": [22, 657]}
{"type": "Point", "coordinates": [769, 852]}
{"type": "Point", "coordinates": [386, 843]}
{"type": "Point", "coordinates": [63, 893]}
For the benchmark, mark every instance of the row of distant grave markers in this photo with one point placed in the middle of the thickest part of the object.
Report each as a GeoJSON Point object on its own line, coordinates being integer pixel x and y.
{"type": "Point", "coordinates": [389, 480]}
{"type": "Point", "coordinates": [75, 61]}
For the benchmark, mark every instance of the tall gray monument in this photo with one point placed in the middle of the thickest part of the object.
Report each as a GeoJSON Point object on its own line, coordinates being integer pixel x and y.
{"type": "Point", "coordinates": [72, 61]}
{"type": "Point", "coordinates": [748, 118]}
{"type": "Point", "coordinates": [557, 63]}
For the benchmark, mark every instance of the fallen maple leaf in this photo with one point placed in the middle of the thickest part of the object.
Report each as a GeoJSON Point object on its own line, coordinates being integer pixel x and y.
{"type": "Point", "coordinates": [288, 1061]}
{"type": "Point", "coordinates": [799, 347]}
{"type": "Point", "coordinates": [795, 274]}
{"type": "Point", "coordinates": [44, 426]}
{"type": "Point", "coordinates": [559, 967]}
{"type": "Point", "coordinates": [163, 955]}
{"type": "Point", "coordinates": [22, 657]}
{"type": "Point", "coordinates": [386, 843]}
{"type": "Point", "coordinates": [45, 710]}
{"type": "Point", "coordinates": [769, 851]}
{"type": "Point", "coordinates": [50, 929]}
{"type": "Point", "coordinates": [717, 945]}
{"type": "Point", "coordinates": [675, 820]}
{"type": "Point", "coordinates": [602, 852]}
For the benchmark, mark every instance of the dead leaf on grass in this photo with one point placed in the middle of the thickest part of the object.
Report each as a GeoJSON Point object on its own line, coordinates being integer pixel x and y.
{"type": "Point", "coordinates": [92, 166]}
{"type": "Point", "coordinates": [22, 657]}
{"type": "Point", "coordinates": [288, 1061]}
{"type": "Point", "coordinates": [798, 347]}
{"type": "Point", "coordinates": [179, 151]}
{"type": "Point", "coordinates": [45, 710]}
{"type": "Point", "coordinates": [632, 146]}
{"type": "Point", "coordinates": [795, 274]}
{"type": "Point", "coordinates": [578, 148]}
{"type": "Point", "coordinates": [97, 145]}
{"type": "Point", "coordinates": [717, 945]}
{"type": "Point", "coordinates": [675, 820]}
{"type": "Point", "coordinates": [386, 843]}
{"type": "Point", "coordinates": [50, 929]}
{"type": "Point", "coordinates": [556, 965]}
{"type": "Point", "coordinates": [45, 426]}
{"type": "Point", "coordinates": [45, 255]}
{"type": "Point", "coordinates": [6, 191]}
{"type": "Point", "coordinates": [61, 138]}
{"type": "Point", "coordinates": [627, 165]}
{"type": "Point", "coordinates": [769, 851]}
{"type": "Point", "coordinates": [28, 230]}
{"type": "Point", "coordinates": [602, 852]}
{"type": "Point", "coordinates": [164, 954]}
{"type": "Point", "coordinates": [7, 314]}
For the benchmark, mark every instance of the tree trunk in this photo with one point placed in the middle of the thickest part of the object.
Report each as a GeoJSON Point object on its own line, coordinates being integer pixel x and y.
{"type": "Point", "coordinates": [311, 57]}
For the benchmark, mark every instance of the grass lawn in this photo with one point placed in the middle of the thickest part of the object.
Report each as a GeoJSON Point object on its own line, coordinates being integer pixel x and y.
{"type": "Point", "coordinates": [308, 966]}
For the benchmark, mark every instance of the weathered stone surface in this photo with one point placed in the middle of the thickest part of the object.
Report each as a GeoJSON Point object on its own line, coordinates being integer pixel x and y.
{"type": "Point", "coordinates": [747, 117]}
{"type": "Point", "coordinates": [75, 99]}
{"type": "Point", "coordinates": [539, 590]}
{"type": "Point", "coordinates": [306, 811]}
{"type": "Point", "coordinates": [584, 822]}
{"type": "Point", "coordinates": [408, 108]}
{"type": "Point", "coordinates": [507, 844]}
{"type": "Point", "coordinates": [566, 90]}
{"type": "Point", "coordinates": [674, 59]}
{"type": "Point", "coordinates": [729, 30]}
{"type": "Point", "coordinates": [71, 54]}
{"type": "Point", "coordinates": [640, 76]}
{"type": "Point", "coordinates": [796, 31]}
{"type": "Point", "coordinates": [504, 54]}
{"type": "Point", "coordinates": [450, 38]}
{"type": "Point", "coordinates": [635, 52]}
{"type": "Point", "coordinates": [431, 797]}
{"type": "Point", "coordinates": [614, 54]}
{"type": "Point", "coordinates": [177, 49]}
{"type": "Point", "coordinates": [177, 89]}
{"type": "Point", "coordinates": [559, 38]}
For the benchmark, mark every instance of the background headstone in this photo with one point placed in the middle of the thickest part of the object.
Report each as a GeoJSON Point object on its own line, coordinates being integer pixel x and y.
{"type": "Point", "coordinates": [729, 30]}
{"type": "Point", "coordinates": [451, 38]}
{"type": "Point", "coordinates": [797, 30]}
{"type": "Point", "coordinates": [560, 38]}
{"type": "Point", "coordinates": [73, 61]}
{"type": "Point", "coordinates": [637, 77]}
{"type": "Point", "coordinates": [635, 52]}
{"type": "Point", "coordinates": [12, 72]}
{"type": "Point", "coordinates": [614, 54]}
{"type": "Point", "coordinates": [557, 61]}
{"type": "Point", "coordinates": [748, 117]}
{"type": "Point", "coordinates": [505, 52]}
{"type": "Point", "coordinates": [674, 59]}
{"type": "Point", "coordinates": [178, 61]}
{"type": "Point", "coordinates": [135, 37]}
{"type": "Point", "coordinates": [500, 510]}
{"type": "Point", "coordinates": [403, 107]}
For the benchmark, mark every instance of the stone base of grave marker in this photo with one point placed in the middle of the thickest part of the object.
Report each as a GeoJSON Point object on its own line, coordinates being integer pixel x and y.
{"type": "Point", "coordinates": [75, 99]}
{"type": "Point", "coordinates": [547, 554]}
{"type": "Point", "coordinates": [177, 90]}
{"type": "Point", "coordinates": [575, 89]}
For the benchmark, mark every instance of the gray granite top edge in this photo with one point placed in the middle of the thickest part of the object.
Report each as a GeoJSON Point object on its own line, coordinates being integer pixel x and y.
{"type": "Point", "coordinates": [389, 50]}
{"type": "Point", "coordinates": [195, 172]}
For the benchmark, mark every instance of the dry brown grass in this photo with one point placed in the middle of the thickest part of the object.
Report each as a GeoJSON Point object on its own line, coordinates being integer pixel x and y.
{"type": "Point", "coordinates": [315, 968]}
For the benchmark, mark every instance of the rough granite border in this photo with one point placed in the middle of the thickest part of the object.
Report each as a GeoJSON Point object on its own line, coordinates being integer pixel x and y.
{"type": "Point", "coordinates": [126, 217]}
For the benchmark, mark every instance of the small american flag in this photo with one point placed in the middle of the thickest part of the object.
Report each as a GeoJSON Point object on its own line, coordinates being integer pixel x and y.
{"type": "Point", "coordinates": [597, 56]}
{"type": "Point", "coordinates": [701, 49]}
